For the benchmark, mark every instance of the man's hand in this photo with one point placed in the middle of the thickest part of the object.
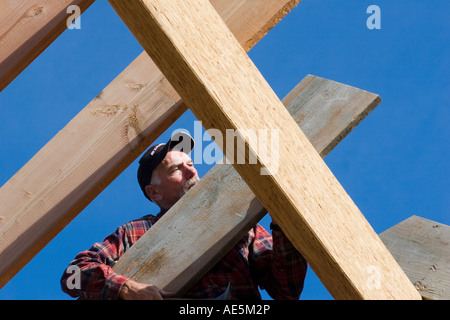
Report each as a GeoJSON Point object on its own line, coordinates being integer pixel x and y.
{"type": "Point", "coordinates": [132, 290]}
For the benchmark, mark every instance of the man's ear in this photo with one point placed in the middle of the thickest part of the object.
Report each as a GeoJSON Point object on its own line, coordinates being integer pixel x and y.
{"type": "Point", "coordinates": [153, 192]}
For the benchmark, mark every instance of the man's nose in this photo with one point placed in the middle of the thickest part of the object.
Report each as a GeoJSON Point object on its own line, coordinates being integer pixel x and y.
{"type": "Point", "coordinates": [189, 170]}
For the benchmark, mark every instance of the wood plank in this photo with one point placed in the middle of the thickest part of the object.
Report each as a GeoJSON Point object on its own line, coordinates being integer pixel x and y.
{"type": "Point", "coordinates": [422, 248]}
{"type": "Point", "coordinates": [333, 109]}
{"type": "Point", "coordinates": [169, 256]}
{"type": "Point", "coordinates": [27, 28]}
{"type": "Point", "coordinates": [218, 81]}
{"type": "Point", "coordinates": [97, 145]}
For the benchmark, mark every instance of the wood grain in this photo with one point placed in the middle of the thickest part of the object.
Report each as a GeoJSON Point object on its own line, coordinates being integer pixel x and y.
{"type": "Point", "coordinates": [422, 248]}
{"type": "Point", "coordinates": [99, 143]}
{"type": "Point", "coordinates": [207, 222]}
{"type": "Point", "coordinates": [209, 69]}
{"type": "Point", "coordinates": [27, 28]}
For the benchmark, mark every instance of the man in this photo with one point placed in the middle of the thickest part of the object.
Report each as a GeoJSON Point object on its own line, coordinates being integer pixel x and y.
{"type": "Point", "coordinates": [165, 174]}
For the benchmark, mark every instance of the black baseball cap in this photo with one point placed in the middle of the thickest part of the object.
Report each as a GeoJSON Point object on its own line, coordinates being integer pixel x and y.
{"type": "Point", "coordinates": [180, 141]}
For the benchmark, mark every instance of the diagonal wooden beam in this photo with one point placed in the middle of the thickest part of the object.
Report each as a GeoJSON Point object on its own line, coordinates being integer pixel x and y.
{"type": "Point", "coordinates": [101, 141]}
{"type": "Point", "coordinates": [206, 65]}
{"type": "Point", "coordinates": [27, 28]}
{"type": "Point", "coordinates": [422, 249]}
{"type": "Point", "coordinates": [183, 245]}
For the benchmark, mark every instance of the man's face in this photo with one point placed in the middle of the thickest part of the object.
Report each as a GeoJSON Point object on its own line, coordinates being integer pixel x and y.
{"type": "Point", "coordinates": [177, 175]}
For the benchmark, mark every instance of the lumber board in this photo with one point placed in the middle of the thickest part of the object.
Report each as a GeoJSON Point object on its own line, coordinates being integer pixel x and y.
{"type": "Point", "coordinates": [203, 61]}
{"type": "Point", "coordinates": [27, 28]}
{"type": "Point", "coordinates": [422, 248]}
{"type": "Point", "coordinates": [178, 250]}
{"type": "Point", "coordinates": [100, 142]}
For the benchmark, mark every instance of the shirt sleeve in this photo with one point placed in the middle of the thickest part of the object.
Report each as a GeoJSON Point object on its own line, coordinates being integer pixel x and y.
{"type": "Point", "coordinates": [279, 267]}
{"type": "Point", "coordinates": [90, 274]}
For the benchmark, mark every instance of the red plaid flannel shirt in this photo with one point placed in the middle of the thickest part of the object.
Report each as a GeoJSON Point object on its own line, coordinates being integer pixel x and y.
{"type": "Point", "coordinates": [256, 260]}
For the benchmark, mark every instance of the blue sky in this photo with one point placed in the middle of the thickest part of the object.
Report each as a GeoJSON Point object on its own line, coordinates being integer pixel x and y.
{"type": "Point", "coordinates": [393, 165]}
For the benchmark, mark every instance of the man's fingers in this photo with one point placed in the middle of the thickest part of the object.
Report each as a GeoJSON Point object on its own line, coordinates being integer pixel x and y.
{"type": "Point", "coordinates": [166, 294]}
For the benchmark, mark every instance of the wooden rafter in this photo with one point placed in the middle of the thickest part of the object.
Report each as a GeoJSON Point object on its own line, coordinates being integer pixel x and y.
{"type": "Point", "coordinates": [27, 28]}
{"type": "Point", "coordinates": [422, 248]}
{"type": "Point", "coordinates": [101, 141]}
{"type": "Point", "coordinates": [206, 65]}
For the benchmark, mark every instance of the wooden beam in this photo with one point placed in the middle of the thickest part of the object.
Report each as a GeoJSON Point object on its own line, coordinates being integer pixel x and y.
{"type": "Point", "coordinates": [99, 143]}
{"type": "Point", "coordinates": [183, 245]}
{"type": "Point", "coordinates": [206, 65]}
{"type": "Point", "coordinates": [27, 28]}
{"type": "Point", "coordinates": [422, 248]}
